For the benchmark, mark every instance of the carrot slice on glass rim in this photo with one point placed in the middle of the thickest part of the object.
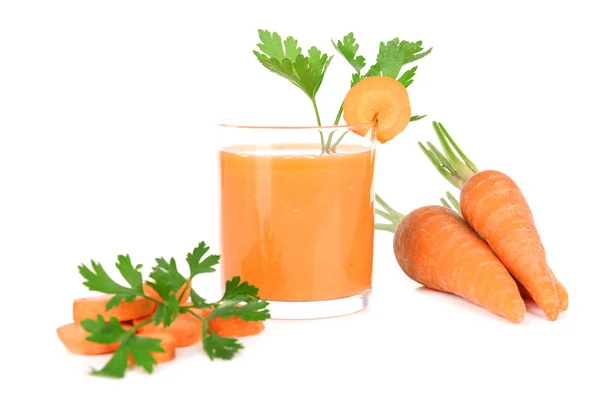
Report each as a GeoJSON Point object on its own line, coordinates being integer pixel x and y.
{"type": "Point", "coordinates": [381, 101]}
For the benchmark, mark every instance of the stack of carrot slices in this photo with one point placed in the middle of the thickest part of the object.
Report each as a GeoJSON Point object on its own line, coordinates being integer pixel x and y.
{"type": "Point", "coordinates": [185, 331]}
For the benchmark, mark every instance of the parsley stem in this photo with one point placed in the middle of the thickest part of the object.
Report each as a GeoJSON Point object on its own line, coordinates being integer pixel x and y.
{"type": "Point", "coordinates": [196, 315]}
{"type": "Point", "coordinates": [150, 298]}
{"type": "Point", "coordinates": [138, 326]}
{"type": "Point", "coordinates": [339, 114]}
{"type": "Point", "coordinates": [330, 138]}
{"type": "Point", "coordinates": [187, 286]}
{"type": "Point", "coordinates": [339, 140]}
{"type": "Point", "coordinates": [314, 103]}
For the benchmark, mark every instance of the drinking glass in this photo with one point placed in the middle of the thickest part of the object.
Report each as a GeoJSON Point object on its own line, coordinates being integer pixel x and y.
{"type": "Point", "coordinates": [297, 218]}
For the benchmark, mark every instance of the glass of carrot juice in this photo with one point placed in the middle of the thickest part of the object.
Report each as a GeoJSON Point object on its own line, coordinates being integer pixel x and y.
{"type": "Point", "coordinates": [297, 218]}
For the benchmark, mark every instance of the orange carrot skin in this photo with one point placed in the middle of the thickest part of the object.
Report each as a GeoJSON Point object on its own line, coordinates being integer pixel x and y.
{"type": "Point", "coordinates": [436, 248]}
{"type": "Point", "coordinates": [90, 307]}
{"type": "Point", "coordinates": [494, 206]}
{"type": "Point", "coordinates": [563, 295]}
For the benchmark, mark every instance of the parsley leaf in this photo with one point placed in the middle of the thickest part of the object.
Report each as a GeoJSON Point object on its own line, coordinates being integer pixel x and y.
{"type": "Point", "coordinates": [99, 281]}
{"type": "Point", "coordinates": [199, 302]}
{"type": "Point", "coordinates": [413, 51]}
{"type": "Point", "coordinates": [407, 77]}
{"type": "Point", "coordinates": [252, 310]}
{"type": "Point", "coordinates": [204, 266]}
{"type": "Point", "coordinates": [167, 274]}
{"type": "Point", "coordinates": [104, 332]}
{"type": "Point", "coordinates": [217, 346]}
{"type": "Point", "coordinates": [235, 290]}
{"type": "Point", "coordinates": [140, 349]}
{"type": "Point", "coordinates": [240, 299]}
{"type": "Point", "coordinates": [111, 331]}
{"type": "Point", "coordinates": [116, 366]}
{"type": "Point", "coordinates": [132, 274]}
{"type": "Point", "coordinates": [348, 48]}
{"type": "Point", "coordinates": [395, 53]}
{"type": "Point", "coordinates": [287, 61]}
{"type": "Point", "coordinates": [390, 58]}
{"type": "Point", "coordinates": [166, 282]}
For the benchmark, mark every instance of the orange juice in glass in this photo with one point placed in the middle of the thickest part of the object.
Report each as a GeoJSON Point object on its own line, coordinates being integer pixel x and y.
{"type": "Point", "coordinates": [297, 217]}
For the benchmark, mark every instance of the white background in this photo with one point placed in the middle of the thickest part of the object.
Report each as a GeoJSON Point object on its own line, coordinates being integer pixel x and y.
{"type": "Point", "coordinates": [107, 132]}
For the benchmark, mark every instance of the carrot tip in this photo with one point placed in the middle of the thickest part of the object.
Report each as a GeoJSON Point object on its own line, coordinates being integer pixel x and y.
{"type": "Point", "coordinates": [551, 314]}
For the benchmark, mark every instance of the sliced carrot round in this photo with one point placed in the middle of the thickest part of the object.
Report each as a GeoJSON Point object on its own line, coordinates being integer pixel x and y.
{"type": "Point", "coordinates": [186, 329]}
{"type": "Point", "coordinates": [90, 307]}
{"type": "Point", "coordinates": [379, 99]}
{"type": "Point", "coordinates": [167, 342]}
{"type": "Point", "coordinates": [235, 327]}
{"type": "Point", "coordinates": [74, 338]}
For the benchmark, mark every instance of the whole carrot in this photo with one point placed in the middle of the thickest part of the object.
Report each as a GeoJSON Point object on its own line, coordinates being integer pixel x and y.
{"type": "Point", "coordinates": [435, 247]}
{"type": "Point", "coordinates": [495, 207]}
{"type": "Point", "coordinates": [563, 296]}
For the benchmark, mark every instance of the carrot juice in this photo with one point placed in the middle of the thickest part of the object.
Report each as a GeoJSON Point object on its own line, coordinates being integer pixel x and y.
{"type": "Point", "coordinates": [296, 222]}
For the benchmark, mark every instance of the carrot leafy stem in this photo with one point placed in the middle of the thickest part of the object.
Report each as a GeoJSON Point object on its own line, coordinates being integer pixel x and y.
{"type": "Point", "coordinates": [240, 300]}
{"type": "Point", "coordinates": [453, 164]}
{"type": "Point", "coordinates": [453, 203]}
{"type": "Point", "coordinates": [392, 216]}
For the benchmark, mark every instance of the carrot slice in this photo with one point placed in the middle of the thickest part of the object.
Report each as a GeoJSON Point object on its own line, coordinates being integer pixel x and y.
{"type": "Point", "coordinates": [74, 338]}
{"type": "Point", "coordinates": [150, 292]}
{"type": "Point", "coordinates": [230, 327]}
{"type": "Point", "coordinates": [186, 329]}
{"type": "Point", "coordinates": [90, 307]}
{"type": "Point", "coordinates": [167, 342]}
{"type": "Point", "coordinates": [235, 327]}
{"type": "Point", "coordinates": [378, 98]}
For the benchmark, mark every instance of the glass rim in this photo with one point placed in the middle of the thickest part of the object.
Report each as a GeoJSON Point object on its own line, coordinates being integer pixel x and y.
{"type": "Point", "coordinates": [293, 127]}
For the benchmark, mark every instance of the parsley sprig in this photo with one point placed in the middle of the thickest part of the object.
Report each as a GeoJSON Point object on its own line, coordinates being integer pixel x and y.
{"type": "Point", "coordinates": [240, 299]}
{"type": "Point", "coordinates": [286, 60]}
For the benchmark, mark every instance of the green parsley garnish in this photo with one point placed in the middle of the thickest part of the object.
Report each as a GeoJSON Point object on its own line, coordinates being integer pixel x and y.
{"type": "Point", "coordinates": [240, 299]}
{"type": "Point", "coordinates": [286, 60]}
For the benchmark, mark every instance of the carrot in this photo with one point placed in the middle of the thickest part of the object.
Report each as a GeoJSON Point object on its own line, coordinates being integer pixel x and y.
{"type": "Point", "coordinates": [563, 296]}
{"type": "Point", "coordinates": [235, 327]}
{"type": "Point", "coordinates": [150, 292]}
{"type": "Point", "coordinates": [74, 338]}
{"type": "Point", "coordinates": [435, 247]}
{"type": "Point", "coordinates": [495, 207]}
{"type": "Point", "coordinates": [562, 292]}
{"type": "Point", "coordinates": [186, 329]}
{"type": "Point", "coordinates": [381, 99]}
{"type": "Point", "coordinates": [167, 342]}
{"type": "Point", "coordinates": [90, 307]}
